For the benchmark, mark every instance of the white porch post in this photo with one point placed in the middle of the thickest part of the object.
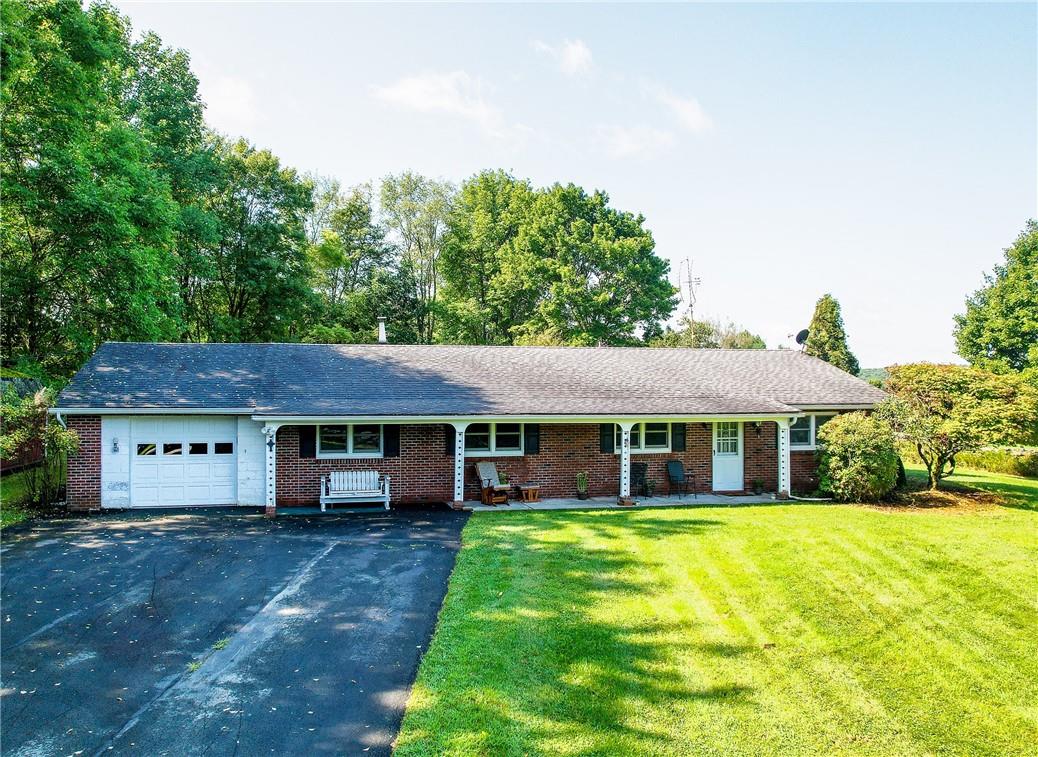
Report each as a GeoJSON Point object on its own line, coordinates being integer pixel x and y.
{"type": "Point", "coordinates": [783, 459]}
{"type": "Point", "coordinates": [459, 464]}
{"type": "Point", "coordinates": [270, 431]}
{"type": "Point", "coordinates": [625, 459]}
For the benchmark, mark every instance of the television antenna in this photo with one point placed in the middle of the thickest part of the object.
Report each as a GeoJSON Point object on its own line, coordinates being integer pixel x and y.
{"type": "Point", "coordinates": [688, 284]}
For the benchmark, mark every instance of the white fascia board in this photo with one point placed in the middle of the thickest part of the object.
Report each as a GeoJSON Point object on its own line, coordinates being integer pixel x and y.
{"type": "Point", "coordinates": [151, 411]}
{"type": "Point", "coordinates": [703, 418]}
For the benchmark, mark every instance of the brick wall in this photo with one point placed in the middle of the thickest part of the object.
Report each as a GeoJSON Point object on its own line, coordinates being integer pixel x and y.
{"type": "Point", "coordinates": [425, 472]}
{"type": "Point", "coordinates": [804, 470]}
{"type": "Point", "coordinates": [84, 467]}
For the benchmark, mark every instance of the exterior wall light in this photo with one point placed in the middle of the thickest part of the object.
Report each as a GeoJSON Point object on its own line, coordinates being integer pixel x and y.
{"type": "Point", "coordinates": [115, 444]}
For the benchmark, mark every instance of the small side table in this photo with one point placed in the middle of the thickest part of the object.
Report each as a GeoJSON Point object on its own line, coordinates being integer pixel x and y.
{"type": "Point", "coordinates": [529, 492]}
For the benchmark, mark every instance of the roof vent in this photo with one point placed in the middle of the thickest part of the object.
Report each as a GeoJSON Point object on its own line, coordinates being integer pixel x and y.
{"type": "Point", "coordinates": [382, 330]}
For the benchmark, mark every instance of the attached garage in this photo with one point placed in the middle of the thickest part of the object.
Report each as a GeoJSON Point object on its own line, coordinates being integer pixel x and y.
{"type": "Point", "coordinates": [182, 461]}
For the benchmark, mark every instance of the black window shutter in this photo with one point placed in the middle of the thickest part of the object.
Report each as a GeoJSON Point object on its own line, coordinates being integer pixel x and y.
{"type": "Point", "coordinates": [308, 441]}
{"type": "Point", "coordinates": [391, 440]}
{"type": "Point", "coordinates": [532, 439]}
{"type": "Point", "coordinates": [677, 437]}
{"type": "Point", "coordinates": [450, 436]}
{"type": "Point", "coordinates": [606, 437]}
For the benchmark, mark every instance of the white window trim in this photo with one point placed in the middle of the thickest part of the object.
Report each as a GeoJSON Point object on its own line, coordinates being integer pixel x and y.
{"type": "Point", "coordinates": [349, 455]}
{"type": "Point", "coordinates": [641, 449]}
{"type": "Point", "coordinates": [493, 451]}
{"type": "Point", "coordinates": [813, 444]}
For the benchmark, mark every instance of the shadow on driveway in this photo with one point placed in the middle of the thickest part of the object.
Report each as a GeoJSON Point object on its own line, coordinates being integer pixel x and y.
{"type": "Point", "coordinates": [218, 632]}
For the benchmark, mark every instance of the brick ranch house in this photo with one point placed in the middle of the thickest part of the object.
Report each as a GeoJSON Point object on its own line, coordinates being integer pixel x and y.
{"type": "Point", "coordinates": [176, 425]}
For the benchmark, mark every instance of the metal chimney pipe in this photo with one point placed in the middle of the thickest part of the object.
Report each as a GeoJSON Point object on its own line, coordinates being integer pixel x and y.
{"type": "Point", "coordinates": [382, 330]}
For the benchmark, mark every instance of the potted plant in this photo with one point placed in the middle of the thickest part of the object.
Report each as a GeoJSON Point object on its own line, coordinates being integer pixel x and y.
{"type": "Point", "coordinates": [650, 487]}
{"type": "Point", "coordinates": [758, 486]}
{"type": "Point", "coordinates": [582, 485]}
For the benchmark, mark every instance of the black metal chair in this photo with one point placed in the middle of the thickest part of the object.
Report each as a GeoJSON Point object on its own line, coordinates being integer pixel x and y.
{"type": "Point", "coordinates": [639, 472]}
{"type": "Point", "coordinates": [679, 480]}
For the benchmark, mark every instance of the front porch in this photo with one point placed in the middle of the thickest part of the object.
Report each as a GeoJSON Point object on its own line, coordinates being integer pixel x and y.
{"type": "Point", "coordinates": [610, 503]}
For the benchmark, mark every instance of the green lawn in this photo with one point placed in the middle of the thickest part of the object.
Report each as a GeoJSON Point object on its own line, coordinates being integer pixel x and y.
{"type": "Point", "coordinates": [12, 494]}
{"type": "Point", "coordinates": [792, 629]}
{"type": "Point", "coordinates": [1015, 491]}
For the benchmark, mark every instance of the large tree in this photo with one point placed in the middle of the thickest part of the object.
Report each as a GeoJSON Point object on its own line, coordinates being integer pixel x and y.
{"type": "Point", "coordinates": [942, 410]}
{"type": "Point", "coordinates": [827, 338]}
{"type": "Point", "coordinates": [358, 274]}
{"type": "Point", "coordinates": [252, 282]}
{"type": "Point", "coordinates": [999, 329]}
{"type": "Point", "coordinates": [591, 269]}
{"type": "Point", "coordinates": [415, 210]}
{"type": "Point", "coordinates": [88, 221]}
{"type": "Point", "coordinates": [484, 300]}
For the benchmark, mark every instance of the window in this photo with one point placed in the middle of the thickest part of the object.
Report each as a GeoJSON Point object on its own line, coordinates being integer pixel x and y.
{"type": "Point", "coordinates": [223, 448]}
{"type": "Point", "coordinates": [145, 449]}
{"type": "Point", "coordinates": [494, 439]}
{"type": "Point", "coordinates": [800, 432]}
{"type": "Point", "coordinates": [198, 448]}
{"type": "Point", "coordinates": [172, 448]}
{"type": "Point", "coordinates": [350, 440]}
{"type": "Point", "coordinates": [647, 437]}
{"type": "Point", "coordinates": [803, 434]}
{"type": "Point", "coordinates": [726, 438]}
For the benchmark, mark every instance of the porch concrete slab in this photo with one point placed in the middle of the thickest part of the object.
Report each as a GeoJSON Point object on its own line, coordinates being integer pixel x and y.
{"type": "Point", "coordinates": [609, 503]}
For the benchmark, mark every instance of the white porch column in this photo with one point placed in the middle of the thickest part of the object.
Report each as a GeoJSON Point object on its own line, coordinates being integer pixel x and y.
{"type": "Point", "coordinates": [270, 431]}
{"type": "Point", "coordinates": [784, 476]}
{"type": "Point", "coordinates": [459, 464]}
{"type": "Point", "coordinates": [625, 458]}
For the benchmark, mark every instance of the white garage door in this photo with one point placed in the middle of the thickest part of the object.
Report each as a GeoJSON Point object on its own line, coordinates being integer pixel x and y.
{"type": "Point", "coordinates": [183, 461]}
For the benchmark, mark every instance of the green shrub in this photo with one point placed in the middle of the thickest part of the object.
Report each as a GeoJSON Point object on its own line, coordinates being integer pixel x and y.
{"type": "Point", "coordinates": [1015, 462]}
{"type": "Point", "coordinates": [857, 461]}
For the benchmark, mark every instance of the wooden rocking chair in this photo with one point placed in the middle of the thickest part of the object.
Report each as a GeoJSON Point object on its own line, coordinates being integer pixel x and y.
{"type": "Point", "coordinates": [492, 491]}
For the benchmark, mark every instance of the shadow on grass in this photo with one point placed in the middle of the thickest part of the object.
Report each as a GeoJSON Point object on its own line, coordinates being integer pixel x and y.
{"type": "Point", "coordinates": [534, 649]}
{"type": "Point", "coordinates": [1015, 492]}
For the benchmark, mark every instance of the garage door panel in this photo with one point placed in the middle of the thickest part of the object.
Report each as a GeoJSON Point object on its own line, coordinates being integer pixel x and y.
{"type": "Point", "coordinates": [159, 478]}
{"type": "Point", "coordinates": [171, 472]}
{"type": "Point", "coordinates": [145, 496]}
{"type": "Point", "coordinates": [197, 471]}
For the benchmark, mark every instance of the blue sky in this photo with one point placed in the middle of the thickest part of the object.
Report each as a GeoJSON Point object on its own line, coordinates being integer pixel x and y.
{"type": "Point", "coordinates": [885, 153]}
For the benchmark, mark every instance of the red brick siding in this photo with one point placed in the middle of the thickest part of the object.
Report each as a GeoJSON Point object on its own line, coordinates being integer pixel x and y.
{"type": "Point", "coordinates": [425, 472]}
{"type": "Point", "coordinates": [804, 469]}
{"type": "Point", "coordinates": [422, 472]}
{"type": "Point", "coordinates": [84, 467]}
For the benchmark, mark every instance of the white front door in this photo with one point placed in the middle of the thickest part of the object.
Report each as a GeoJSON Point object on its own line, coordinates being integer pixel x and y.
{"type": "Point", "coordinates": [181, 461]}
{"type": "Point", "coordinates": [728, 476]}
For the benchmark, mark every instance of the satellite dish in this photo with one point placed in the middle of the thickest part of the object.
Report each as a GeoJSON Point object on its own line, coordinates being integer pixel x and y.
{"type": "Point", "coordinates": [802, 336]}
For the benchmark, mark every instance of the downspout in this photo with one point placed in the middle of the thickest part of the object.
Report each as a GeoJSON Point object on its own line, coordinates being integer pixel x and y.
{"type": "Point", "coordinates": [57, 415]}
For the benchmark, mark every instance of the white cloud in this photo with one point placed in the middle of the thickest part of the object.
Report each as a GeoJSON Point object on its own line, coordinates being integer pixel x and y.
{"type": "Point", "coordinates": [573, 55]}
{"type": "Point", "coordinates": [687, 110]}
{"type": "Point", "coordinates": [634, 141]}
{"type": "Point", "coordinates": [454, 93]}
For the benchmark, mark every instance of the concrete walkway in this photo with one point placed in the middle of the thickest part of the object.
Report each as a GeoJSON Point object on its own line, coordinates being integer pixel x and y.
{"type": "Point", "coordinates": [609, 503]}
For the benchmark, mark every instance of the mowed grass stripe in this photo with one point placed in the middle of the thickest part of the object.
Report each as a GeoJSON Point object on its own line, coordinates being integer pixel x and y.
{"type": "Point", "coordinates": [643, 632]}
{"type": "Point", "coordinates": [839, 703]}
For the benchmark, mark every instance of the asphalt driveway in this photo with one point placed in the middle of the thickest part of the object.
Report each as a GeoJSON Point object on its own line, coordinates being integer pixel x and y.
{"type": "Point", "coordinates": [217, 632]}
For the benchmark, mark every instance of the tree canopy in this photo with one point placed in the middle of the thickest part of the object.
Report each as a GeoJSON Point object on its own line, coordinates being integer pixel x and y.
{"type": "Point", "coordinates": [127, 218]}
{"type": "Point", "coordinates": [827, 338]}
{"type": "Point", "coordinates": [999, 329]}
{"type": "Point", "coordinates": [943, 410]}
{"type": "Point", "coordinates": [708, 334]}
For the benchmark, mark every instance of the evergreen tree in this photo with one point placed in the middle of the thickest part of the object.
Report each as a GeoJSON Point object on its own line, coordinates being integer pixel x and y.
{"type": "Point", "coordinates": [828, 339]}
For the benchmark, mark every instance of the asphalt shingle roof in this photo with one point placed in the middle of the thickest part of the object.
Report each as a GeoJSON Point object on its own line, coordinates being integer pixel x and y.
{"type": "Point", "coordinates": [443, 380]}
